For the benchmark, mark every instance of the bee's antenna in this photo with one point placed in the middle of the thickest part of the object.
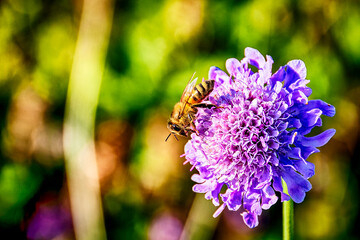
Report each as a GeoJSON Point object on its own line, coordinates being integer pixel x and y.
{"type": "Point", "coordinates": [167, 137]}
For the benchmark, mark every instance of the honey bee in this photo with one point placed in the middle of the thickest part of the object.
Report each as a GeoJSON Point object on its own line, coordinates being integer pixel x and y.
{"type": "Point", "coordinates": [181, 121]}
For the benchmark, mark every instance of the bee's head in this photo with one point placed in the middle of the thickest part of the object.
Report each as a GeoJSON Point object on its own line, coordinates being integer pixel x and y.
{"type": "Point", "coordinates": [176, 129]}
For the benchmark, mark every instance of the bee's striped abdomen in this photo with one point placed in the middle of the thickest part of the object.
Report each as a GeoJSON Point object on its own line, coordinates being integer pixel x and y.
{"type": "Point", "coordinates": [201, 91]}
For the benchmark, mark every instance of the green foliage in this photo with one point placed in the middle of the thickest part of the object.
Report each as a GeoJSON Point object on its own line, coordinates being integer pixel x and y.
{"type": "Point", "coordinates": [17, 185]}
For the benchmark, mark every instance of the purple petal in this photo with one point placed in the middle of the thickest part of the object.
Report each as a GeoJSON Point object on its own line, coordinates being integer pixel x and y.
{"type": "Point", "coordinates": [253, 204]}
{"type": "Point", "coordinates": [268, 64]}
{"type": "Point", "coordinates": [272, 132]}
{"type": "Point", "coordinates": [213, 72]}
{"type": "Point", "coordinates": [204, 187]}
{"type": "Point", "coordinates": [294, 153]}
{"type": "Point", "coordinates": [218, 75]}
{"type": "Point", "coordinates": [307, 151]}
{"type": "Point", "coordinates": [287, 137]}
{"type": "Point", "coordinates": [299, 67]}
{"type": "Point", "coordinates": [277, 87]}
{"type": "Point", "coordinates": [327, 109]}
{"type": "Point", "coordinates": [282, 126]}
{"type": "Point", "coordinates": [300, 85]}
{"type": "Point", "coordinates": [255, 57]}
{"type": "Point", "coordinates": [294, 123]}
{"type": "Point", "coordinates": [307, 169]}
{"type": "Point", "coordinates": [251, 197]}
{"type": "Point", "coordinates": [290, 77]}
{"type": "Point", "coordinates": [297, 185]}
{"type": "Point", "coordinates": [311, 117]}
{"type": "Point", "coordinates": [304, 130]}
{"type": "Point", "coordinates": [299, 96]}
{"type": "Point", "coordinates": [219, 210]}
{"type": "Point", "coordinates": [274, 160]}
{"type": "Point", "coordinates": [273, 144]}
{"type": "Point", "coordinates": [268, 198]}
{"type": "Point", "coordinates": [250, 219]}
{"type": "Point", "coordinates": [197, 178]}
{"type": "Point", "coordinates": [214, 194]}
{"type": "Point", "coordinates": [233, 199]}
{"type": "Point", "coordinates": [233, 66]}
{"type": "Point", "coordinates": [318, 140]}
{"type": "Point", "coordinates": [278, 76]}
{"type": "Point", "coordinates": [277, 185]}
{"type": "Point", "coordinates": [264, 174]}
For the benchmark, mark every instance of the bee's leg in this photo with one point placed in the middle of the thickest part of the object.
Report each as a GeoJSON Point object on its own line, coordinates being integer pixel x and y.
{"type": "Point", "coordinates": [189, 131]}
{"type": "Point", "coordinates": [205, 105]}
{"type": "Point", "coordinates": [192, 127]}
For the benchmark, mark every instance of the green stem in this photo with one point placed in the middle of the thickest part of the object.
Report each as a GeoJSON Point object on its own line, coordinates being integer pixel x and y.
{"type": "Point", "coordinates": [288, 216]}
{"type": "Point", "coordinates": [79, 123]}
{"type": "Point", "coordinates": [200, 224]}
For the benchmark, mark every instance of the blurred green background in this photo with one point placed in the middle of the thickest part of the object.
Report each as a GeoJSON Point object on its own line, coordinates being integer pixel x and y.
{"type": "Point", "coordinates": [154, 48]}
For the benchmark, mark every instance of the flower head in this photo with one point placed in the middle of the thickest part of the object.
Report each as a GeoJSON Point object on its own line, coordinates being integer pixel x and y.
{"type": "Point", "coordinates": [257, 136]}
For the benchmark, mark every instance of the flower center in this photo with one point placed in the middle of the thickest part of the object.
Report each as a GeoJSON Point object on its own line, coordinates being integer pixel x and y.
{"type": "Point", "coordinates": [244, 131]}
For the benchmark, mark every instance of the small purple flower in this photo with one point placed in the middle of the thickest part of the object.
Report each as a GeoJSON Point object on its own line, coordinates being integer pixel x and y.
{"type": "Point", "coordinates": [50, 222]}
{"type": "Point", "coordinates": [257, 136]}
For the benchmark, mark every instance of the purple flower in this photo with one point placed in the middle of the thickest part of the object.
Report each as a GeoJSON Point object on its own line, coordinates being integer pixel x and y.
{"type": "Point", "coordinates": [50, 222]}
{"type": "Point", "coordinates": [257, 136]}
{"type": "Point", "coordinates": [165, 227]}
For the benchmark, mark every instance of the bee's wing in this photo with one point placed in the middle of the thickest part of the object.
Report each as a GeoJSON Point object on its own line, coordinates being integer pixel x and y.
{"type": "Point", "coordinates": [187, 93]}
{"type": "Point", "coordinates": [188, 89]}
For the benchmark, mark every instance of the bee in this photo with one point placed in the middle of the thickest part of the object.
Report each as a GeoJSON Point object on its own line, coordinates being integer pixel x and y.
{"type": "Point", "coordinates": [181, 121]}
